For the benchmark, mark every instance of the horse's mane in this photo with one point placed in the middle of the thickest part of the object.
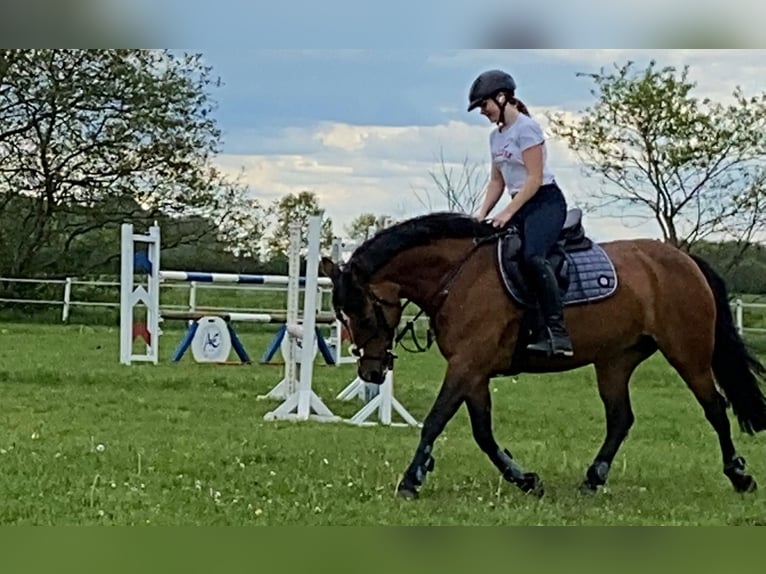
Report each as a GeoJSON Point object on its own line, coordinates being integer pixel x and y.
{"type": "Point", "coordinates": [414, 232]}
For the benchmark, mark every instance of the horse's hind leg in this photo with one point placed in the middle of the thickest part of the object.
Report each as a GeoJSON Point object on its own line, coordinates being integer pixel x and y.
{"type": "Point", "coordinates": [697, 374]}
{"type": "Point", "coordinates": [479, 406]}
{"type": "Point", "coordinates": [613, 375]}
{"type": "Point", "coordinates": [714, 406]}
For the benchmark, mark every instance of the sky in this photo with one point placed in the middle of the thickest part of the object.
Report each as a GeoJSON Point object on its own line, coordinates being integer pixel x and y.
{"type": "Point", "coordinates": [362, 129]}
{"type": "Point", "coordinates": [356, 101]}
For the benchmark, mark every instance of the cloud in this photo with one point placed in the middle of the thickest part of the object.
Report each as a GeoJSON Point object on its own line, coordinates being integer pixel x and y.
{"type": "Point", "coordinates": [589, 23]}
{"type": "Point", "coordinates": [376, 123]}
{"type": "Point", "coordinates": [540, 72]}
{"type": "Point", "coordinates": [716, 72]}
{"type": "Point", "coordinates": [386, 170]}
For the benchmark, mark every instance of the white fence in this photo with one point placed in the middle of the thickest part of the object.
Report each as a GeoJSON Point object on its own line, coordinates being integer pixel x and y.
{"type": "Point", "coordinates": [739, 311]}
{"type": "Point", "coordinates": [67, 302]}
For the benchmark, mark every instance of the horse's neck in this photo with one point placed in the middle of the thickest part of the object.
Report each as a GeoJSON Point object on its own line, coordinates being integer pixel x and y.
{"type": "Point", "coordinates": [421, 271]}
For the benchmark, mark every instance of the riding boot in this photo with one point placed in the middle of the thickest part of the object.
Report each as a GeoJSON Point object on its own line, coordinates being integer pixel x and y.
{"type": "Point", "coordinates": [554, 339]}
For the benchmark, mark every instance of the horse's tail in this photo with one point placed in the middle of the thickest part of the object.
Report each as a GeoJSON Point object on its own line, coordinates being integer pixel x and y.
{"type": "Point", "coordinates": [735, 368]}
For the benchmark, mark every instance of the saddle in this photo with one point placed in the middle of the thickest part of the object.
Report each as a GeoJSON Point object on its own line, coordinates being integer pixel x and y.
{"type": "Point", "coordinates": [584, 271]}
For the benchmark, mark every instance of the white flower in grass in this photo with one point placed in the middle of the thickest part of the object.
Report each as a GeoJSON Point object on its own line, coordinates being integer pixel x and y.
{"type": "Point", "coordinates": [100, 447]}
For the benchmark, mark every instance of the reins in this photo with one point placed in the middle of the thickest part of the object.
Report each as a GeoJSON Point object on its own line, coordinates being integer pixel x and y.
{"type": "Point", "coordinates": [441, 291]}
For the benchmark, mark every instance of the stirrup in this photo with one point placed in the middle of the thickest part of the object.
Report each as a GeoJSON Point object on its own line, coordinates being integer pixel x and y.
{"type": "Point", "coordinates": [564, 351]}
{"type": "Point", "coordinates": [543, 344]}
{"type": "Point", "coordinates": [548, 345]}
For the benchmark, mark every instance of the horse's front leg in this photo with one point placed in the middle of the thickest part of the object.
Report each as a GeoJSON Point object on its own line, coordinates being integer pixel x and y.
{"type": "Point", "coordinates": [448, 401]}
{"type": "Point", "coordinates": [479, 406]}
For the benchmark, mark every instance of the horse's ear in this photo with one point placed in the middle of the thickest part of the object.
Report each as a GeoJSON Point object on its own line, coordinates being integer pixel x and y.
{"type": "Point", "coordinates": [329, 268]}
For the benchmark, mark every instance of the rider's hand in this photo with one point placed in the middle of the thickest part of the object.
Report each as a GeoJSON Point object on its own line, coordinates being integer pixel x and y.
{"type": "Point", "coordinates": [501, 219]}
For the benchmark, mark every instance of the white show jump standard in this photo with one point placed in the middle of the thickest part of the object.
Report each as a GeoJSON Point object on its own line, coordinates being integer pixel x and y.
{"type": "Point", "coordinates": [300, 401]}
{"type": "Point", "coordinates": [130, 297]}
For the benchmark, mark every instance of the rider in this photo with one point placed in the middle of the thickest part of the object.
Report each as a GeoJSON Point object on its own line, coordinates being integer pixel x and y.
{"type": "Point", "coordinates": [538, 206]}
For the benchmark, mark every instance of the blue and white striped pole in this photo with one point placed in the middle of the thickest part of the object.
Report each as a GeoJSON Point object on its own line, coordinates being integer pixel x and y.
{"type": "Point", "coordinates": [241, 278]}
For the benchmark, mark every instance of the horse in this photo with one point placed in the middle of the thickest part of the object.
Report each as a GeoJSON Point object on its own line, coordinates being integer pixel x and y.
{"type": "Point", "coordinates": [623, 301]}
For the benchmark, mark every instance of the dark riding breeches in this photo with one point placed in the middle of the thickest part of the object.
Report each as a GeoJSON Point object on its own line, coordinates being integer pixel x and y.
{"type": "Point", "coordinates": [540, 221]}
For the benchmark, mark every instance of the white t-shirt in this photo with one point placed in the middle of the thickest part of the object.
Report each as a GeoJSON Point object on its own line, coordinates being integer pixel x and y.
{"type": "Point", "coordinates": [506, 147]}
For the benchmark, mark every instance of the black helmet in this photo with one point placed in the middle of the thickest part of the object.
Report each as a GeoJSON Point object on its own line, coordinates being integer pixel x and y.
{"type": "Point", "coordinates": [487, 85]}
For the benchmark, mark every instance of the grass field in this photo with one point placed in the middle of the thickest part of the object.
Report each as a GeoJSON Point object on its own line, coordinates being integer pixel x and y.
{"type": "Point", "coordinates": [87, 441]}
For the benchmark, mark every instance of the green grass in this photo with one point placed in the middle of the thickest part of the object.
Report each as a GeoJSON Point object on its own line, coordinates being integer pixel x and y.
{"type": "Point", "coordinates": [187, 444]}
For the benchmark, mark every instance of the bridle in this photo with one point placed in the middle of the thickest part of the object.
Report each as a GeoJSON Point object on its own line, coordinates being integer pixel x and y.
{"type": "Point", "coordinates": [380, 317]}
{"type": "Point", "coordinates": [440, 295]}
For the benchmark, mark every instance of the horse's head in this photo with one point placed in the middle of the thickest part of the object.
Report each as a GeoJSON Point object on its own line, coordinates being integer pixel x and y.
{"type": "Point", "coordinates": [371, 314]}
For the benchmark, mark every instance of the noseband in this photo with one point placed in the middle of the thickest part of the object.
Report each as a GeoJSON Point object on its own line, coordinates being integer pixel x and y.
{"type": "Point", "coordinates": [377, 304]}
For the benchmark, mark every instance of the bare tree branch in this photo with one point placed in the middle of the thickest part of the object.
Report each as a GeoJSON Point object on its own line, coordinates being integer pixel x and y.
{"type": "Point", "coordinates": [461, 191]}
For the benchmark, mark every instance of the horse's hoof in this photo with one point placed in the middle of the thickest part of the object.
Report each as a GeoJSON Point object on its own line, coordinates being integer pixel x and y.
{"type": "Point", "coordinates": [532, 484]}
{"type": "Point", "coordinates": [588, 489]}
{"type": "Point", "coordinates": [407, 492]}
{"type": "Point", "coordinates": [746, 484]}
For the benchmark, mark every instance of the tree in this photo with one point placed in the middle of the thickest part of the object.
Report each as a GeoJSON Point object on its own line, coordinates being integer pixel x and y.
{"type": "Point", "coordinates": [241, 221]}
{"type": "Point", "coordinates": [694, 166]}
{"type": "Point", "coordinates": [366, 225]}
{"type": "Point", "coordinates": [463, 191]}
{"type": "Point", "coordinates": [292, 207]}
{"type": "Point", "coordinates": [92, 138]}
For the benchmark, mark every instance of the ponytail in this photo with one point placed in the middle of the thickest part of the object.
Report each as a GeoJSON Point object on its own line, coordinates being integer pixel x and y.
{"type": "Point", "coordinates": [521, 107]}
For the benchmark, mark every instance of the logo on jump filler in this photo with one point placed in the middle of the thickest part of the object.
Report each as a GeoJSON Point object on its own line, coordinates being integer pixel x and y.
{"type": "Point", "coordinates": [212, 339]}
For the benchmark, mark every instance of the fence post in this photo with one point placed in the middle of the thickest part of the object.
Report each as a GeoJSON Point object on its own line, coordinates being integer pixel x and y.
{"type": "Point", "coordinates": [67, 299]}
{"type": "Point", "coordinates": [738, 314]}
{"type": "Point", "coordinates": [193, 296]}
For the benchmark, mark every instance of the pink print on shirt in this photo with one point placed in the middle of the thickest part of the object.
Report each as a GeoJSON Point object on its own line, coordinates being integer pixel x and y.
{"type": "Point", "coordinates": [504, 153]}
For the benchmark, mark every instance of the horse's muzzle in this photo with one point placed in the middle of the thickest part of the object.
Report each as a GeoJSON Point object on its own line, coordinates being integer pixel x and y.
{"type": "Point", "coordinates": [374, 369]}
{"type": "Point", "coordinates": [374, 375]}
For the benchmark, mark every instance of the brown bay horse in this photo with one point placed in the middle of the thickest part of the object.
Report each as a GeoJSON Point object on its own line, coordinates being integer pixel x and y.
{"type": "Point", "coordinates": [448, 265]}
